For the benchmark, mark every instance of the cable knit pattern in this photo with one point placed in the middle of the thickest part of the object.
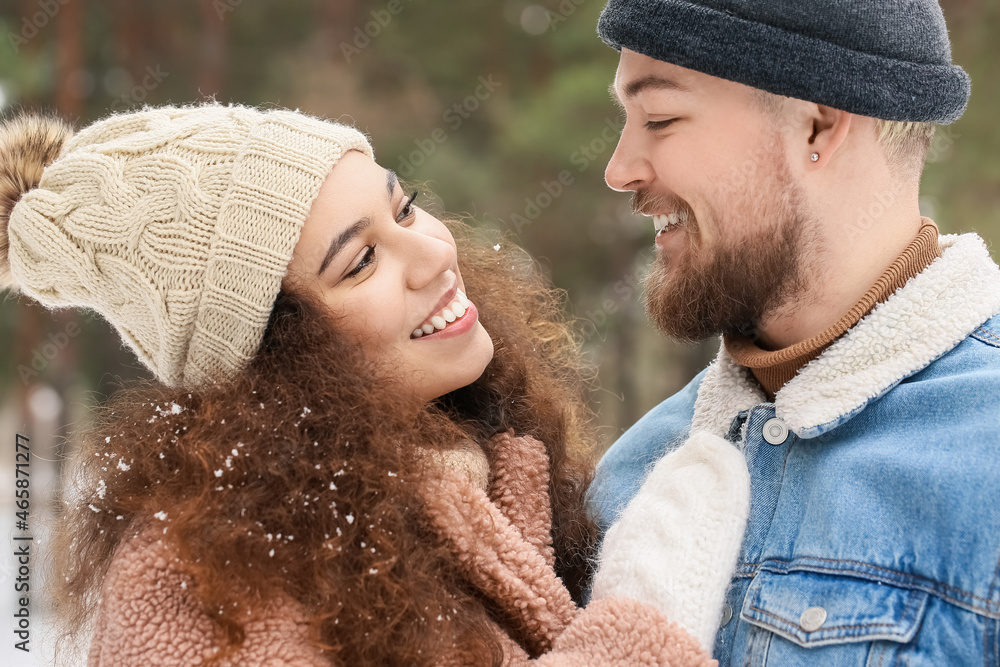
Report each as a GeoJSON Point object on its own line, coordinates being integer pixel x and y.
{"type": "Point", "coordinates": [150, 616]}
{"type": "Point", "coordinates": [177, 225]}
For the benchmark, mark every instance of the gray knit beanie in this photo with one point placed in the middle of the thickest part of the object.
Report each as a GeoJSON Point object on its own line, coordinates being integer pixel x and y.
{"type": "Point", "coordinates": [888, 59]}
{"type": "Point", "coordinates": [177, 224]}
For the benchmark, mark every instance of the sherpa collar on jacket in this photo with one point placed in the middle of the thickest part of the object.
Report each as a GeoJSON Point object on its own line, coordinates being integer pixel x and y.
{"type": "Point", "coordinates": [930, 315]}
{"type": "Point", "coordinates": [923, 320]}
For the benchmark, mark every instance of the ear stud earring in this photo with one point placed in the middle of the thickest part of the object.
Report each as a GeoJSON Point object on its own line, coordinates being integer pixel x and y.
{"type": "Point", "coordinates": [814, 157]}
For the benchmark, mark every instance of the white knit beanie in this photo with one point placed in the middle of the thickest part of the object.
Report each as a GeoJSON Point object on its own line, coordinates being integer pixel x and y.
{"type": "Point", "coordinates": [177, 224]}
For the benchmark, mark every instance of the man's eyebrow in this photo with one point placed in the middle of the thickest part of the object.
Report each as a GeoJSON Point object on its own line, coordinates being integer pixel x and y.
{"type": "Point", "coordinates": [343, 239]}
{"type": "Point", "coordinates": [613, 92]}
{"type": "Point", "coordinates": [651, 82]}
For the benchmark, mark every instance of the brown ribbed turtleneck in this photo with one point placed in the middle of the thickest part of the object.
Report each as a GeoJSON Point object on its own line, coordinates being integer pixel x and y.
{"type": "Point", "coordinates": [774, 368]}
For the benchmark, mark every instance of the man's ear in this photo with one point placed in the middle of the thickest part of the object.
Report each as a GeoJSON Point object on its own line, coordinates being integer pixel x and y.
{"type": "Point", "coordinates": [827, 129]}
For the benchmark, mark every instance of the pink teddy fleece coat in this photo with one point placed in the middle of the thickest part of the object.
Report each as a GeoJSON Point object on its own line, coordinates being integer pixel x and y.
{"type": "Point", "coordinates": [501, 538]}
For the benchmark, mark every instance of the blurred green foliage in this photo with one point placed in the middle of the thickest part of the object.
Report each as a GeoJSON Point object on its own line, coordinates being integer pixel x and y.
{"type": "Point", "coordinates": [530, 81]}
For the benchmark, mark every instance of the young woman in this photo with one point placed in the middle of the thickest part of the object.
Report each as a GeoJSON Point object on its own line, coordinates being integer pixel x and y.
{"type": "Point", "coordinates": [367, 442]}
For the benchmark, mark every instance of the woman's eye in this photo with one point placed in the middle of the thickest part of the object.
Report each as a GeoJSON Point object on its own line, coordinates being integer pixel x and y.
{"type": "Point", "coordinates": [369, 258]}
{"type": "Point", "coordinates": [407, 207]}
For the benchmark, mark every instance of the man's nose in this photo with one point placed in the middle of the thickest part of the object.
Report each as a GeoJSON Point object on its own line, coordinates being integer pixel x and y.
{"type": "Point", "coordinates": [629, 168]}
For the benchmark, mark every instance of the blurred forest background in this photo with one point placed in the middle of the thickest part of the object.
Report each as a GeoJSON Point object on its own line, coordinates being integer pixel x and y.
{"type": "Point", "coordinates": [501, 106]}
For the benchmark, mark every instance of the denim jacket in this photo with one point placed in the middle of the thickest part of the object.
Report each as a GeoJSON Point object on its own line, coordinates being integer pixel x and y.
{"type": "Point", "coordinates": [873, 535]}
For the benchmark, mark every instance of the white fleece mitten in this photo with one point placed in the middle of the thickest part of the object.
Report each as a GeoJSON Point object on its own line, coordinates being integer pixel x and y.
{"type": "Point", "coordinates": [676, 545]}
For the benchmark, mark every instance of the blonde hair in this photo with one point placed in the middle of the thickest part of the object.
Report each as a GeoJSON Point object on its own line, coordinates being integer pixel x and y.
{"type": "Point", "coordinates": [904, 143]}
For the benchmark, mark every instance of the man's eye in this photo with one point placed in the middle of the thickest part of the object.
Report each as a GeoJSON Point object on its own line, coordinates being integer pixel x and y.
{"type": "Point", "coordinates": [368, 258]}
{"type": "Point", "coordinates": [654, 125]}
{"type": "Point", "coordinates": [407, 207]}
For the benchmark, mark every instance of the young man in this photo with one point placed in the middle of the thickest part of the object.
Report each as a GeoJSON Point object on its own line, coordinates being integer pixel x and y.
{"type": "Point", "coordinates": [830, 480]}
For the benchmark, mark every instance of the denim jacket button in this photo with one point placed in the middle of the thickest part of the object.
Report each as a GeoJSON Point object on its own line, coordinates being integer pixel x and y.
{"type": "Point", "coordinates": [812, 618]}
{"type": "Point", "coordinates": [775, 431]}
{"type": "Point", "coordinates": [727, 613]}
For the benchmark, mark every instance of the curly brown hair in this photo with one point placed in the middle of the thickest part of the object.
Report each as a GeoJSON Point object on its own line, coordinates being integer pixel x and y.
{"type": "Point", "coordinates": [305, 438]}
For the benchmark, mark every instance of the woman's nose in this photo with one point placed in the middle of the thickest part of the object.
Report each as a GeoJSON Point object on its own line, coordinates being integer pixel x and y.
{"type": "Point", "coordinates": [426, 257]}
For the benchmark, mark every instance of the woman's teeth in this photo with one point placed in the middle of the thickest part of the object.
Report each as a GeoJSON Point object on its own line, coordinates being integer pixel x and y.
{"type": "Point", "coordinates": [661, 222]}
{"type": "Point", "coordinates": [453, 311]}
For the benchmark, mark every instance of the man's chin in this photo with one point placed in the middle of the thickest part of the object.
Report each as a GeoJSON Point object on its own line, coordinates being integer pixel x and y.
{"type": "Point", "coordinates": [672, 328]}
{"type": "Point", "coordinates": [673, 314]}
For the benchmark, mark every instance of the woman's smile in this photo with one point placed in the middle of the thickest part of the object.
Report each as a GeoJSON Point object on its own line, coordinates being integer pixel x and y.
{"type": "Point", "coordinates": [389, 273]}
{"type": "Point", "coordinates": [451, 313]}
{"type": "Point", "coordinates": [462, 323]}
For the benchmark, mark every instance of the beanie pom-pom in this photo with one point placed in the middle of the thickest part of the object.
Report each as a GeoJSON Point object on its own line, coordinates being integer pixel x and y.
{"type": "Point", "coordinates": [29, 142]}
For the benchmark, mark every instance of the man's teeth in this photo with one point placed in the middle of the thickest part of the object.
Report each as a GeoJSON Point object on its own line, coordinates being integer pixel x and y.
{"type": "Point", "coordinates": [453, 311]}
{"type": "Point", "coordinates": [661, 222]}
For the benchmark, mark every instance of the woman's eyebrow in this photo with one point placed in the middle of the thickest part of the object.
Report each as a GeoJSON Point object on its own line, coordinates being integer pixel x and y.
{"type": "Point", "coordinates": [340, 241]}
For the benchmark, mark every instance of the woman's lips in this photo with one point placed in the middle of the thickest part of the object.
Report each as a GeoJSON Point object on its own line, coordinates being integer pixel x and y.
{"type": "Point", "coordinates": [458, 327]}
{"type": "Point", "coordinates": [447, 318]}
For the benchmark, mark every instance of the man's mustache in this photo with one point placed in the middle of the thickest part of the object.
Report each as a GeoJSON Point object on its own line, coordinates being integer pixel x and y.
{"type": "Point", "coordinates": [646, 202]}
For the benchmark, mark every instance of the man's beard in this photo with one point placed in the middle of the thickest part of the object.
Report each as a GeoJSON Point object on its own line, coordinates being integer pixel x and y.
{"type": "Point", "coordinates": [699, 292]}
